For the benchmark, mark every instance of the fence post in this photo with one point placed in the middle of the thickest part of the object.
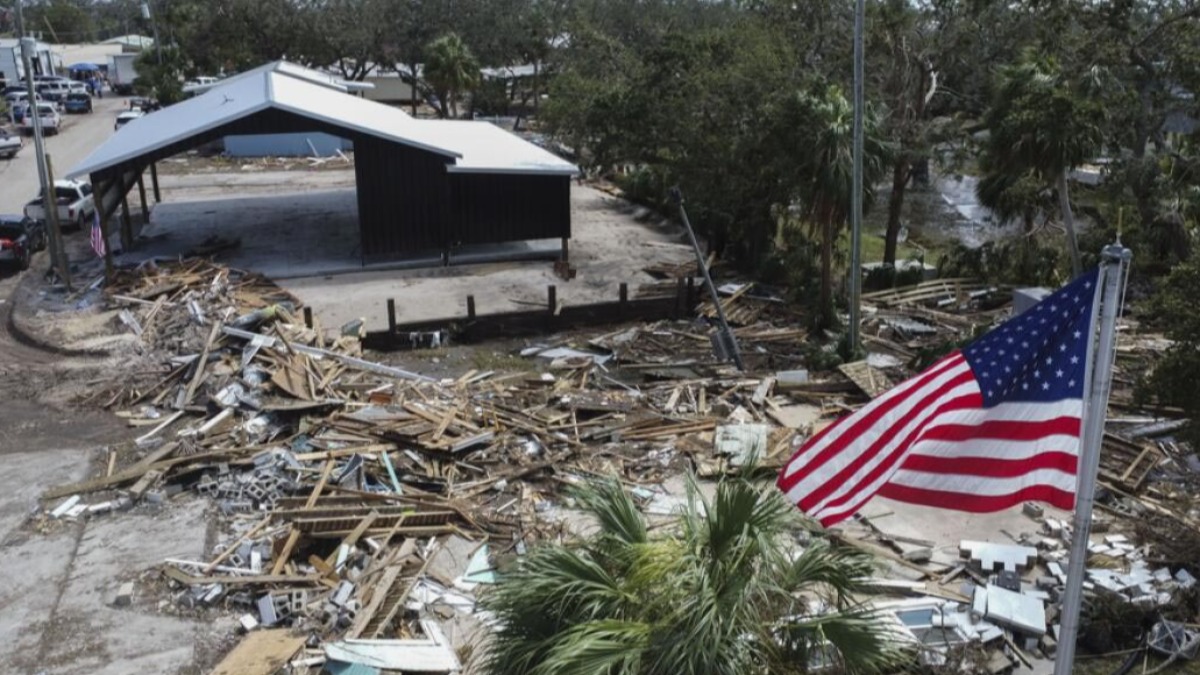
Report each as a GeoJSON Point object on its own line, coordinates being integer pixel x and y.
{"type": "Point", "coordinates": [470, 307]}
{"type": "Point", "coordinates": [308, 322]}
{"type": "Point", "coordinates": [391, 311]}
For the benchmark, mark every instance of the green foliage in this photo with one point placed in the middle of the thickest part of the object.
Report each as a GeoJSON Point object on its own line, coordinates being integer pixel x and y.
{"type": "Point", "coordinates": [1022, 261]}
{"type": "Point", "coordinates": [720, 593]}
{"type": "Point", "coordinates": [451, 69]}
{"type": "Point", "coordinates": [161, 81]}
{"type": "Point", "coordinates": [1175, 380]}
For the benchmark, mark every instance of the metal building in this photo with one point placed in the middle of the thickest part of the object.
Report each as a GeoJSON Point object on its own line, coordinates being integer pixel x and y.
{"type": "Point", "coordinates": [422, 185]}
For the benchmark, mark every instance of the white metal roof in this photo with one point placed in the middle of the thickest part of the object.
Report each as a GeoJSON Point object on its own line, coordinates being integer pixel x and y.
{"type": "Point", "coordinates": [286, 68]}
{"type": "Point", "coordinates": [473, 146]}
{"type": "Point", "coordinates": [486, 148]}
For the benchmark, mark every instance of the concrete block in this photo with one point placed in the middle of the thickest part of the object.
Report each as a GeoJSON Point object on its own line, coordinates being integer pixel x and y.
{"type": "Point", "coordinates": [124, 596]}
{"type": "Point", "coordinates": [1049, 646]}
{"type": "Point", "coordinates": [1033, 510]}
{"type": "Point", "coordinates": [343, 592]}
{"type": "Point", "coordinates": [266, 611]}
{"type": "Point", "coordinates": [248, 622]}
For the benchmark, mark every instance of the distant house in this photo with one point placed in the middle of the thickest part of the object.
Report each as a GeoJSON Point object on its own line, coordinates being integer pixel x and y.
{"type": "Point", "coordinates": [131, 43]}
{"type": "Point", "coordinates": [11, 68]}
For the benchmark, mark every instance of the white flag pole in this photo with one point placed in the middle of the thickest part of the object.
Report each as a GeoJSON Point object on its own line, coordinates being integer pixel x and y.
{"type": "Point", "coordinates": [1114, 261]}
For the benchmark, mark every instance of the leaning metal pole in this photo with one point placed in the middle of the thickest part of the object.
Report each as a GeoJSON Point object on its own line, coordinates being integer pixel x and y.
{"type": "Point", "coordinates": [1114, 261]}
{"type": "Point", "coordinates": [856, 196]}
{"type": "Point", "coordinates": [726, 335]}
{"type": "Point", "coordinates": [58, 260]}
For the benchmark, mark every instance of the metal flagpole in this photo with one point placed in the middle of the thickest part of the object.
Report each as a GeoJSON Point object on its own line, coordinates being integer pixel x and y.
{"type": "Point", "coordinates": [1114, 261]}
{"type": "Point", "coordinates": [856, 195]}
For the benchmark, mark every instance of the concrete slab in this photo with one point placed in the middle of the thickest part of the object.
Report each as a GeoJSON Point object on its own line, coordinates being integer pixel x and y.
{"type": "Point", "coordinates": [948, 528]}
{"type": "Point", "coordinates": [300, 227]}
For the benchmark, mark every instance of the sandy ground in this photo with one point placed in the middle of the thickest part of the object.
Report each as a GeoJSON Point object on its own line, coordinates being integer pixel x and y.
{"type": "Point", "coordinates": [299, 228]}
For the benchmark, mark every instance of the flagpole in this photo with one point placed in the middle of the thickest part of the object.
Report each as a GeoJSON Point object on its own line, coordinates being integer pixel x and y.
{"type": "Point", "coordinates": [1113, 262]}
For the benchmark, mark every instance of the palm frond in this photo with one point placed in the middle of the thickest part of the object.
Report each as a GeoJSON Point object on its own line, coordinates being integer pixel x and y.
{"type": "Point", "coordinates": [602, 647]}
{"type": "Point", "coordinates": [615, 511]}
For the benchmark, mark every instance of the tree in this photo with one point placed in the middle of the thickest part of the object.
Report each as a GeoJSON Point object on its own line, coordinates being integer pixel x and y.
{"type": "Point", "coordinates": [1042, 122]}
{"type": "Point", "coordinates": [821, 141]}
{"type": "Point", "coordinates": [719, 594]}
{"type": "Point", "coordinates": [901, 38]}
{"type": "Point", "coordinates": [163, 82]}
{"type": "Point", "coordinates": [1175, 379]}
{"type": "Point", "coordinates": [451, 69]}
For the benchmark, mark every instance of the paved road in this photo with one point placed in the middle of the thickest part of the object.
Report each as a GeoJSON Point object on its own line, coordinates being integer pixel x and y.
{"type": "Point", "coordinates": [19, 183]}
{"type": "Point", "coordinates": [80, 135]}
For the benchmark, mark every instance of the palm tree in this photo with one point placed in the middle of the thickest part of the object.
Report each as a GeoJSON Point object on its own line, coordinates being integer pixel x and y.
{"type": "Point", "coordinates": [1041, 122]}
{"type": "Point", "coordinates": [821, 138]}
{"type": "Point", "coordinates": [720, 594]}
{"type": "Point", "coordinates": [450, 69]}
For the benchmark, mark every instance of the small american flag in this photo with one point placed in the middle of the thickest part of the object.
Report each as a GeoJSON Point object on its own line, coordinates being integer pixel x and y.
{"type": "Point", "coordinates": [97, 236]}
{"type": "Point", "coordinates": [984, 429]}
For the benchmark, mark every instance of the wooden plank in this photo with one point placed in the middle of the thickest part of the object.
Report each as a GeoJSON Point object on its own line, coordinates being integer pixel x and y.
{"type": "Point", "coordinates": [262, 652]}
{"type": "Point", "coordinates": [201, 363]}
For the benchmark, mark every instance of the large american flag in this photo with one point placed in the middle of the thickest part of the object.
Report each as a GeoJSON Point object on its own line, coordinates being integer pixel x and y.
{"type": "Point", "coordinates": [985, 428]}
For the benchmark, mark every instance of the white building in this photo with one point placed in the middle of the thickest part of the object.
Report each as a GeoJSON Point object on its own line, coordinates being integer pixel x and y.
{"type": "Point", "coordinates": [44, 61]}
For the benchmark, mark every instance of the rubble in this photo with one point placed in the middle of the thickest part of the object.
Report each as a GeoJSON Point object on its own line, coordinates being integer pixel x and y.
{"type": "Point", "coordinates": [366, 505]}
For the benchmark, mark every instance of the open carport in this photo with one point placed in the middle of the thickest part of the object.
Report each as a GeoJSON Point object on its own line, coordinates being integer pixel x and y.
{"type": "Point", "coordinates": [423, 186]}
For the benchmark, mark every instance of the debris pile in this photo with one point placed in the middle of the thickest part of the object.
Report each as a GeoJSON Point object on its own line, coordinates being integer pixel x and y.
{"type": "Point", "coordinates": [366, 504]}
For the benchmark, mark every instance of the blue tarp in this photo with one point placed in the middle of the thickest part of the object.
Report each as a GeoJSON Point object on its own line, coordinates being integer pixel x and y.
{"type": "Point", "coordinates": [82, 67]}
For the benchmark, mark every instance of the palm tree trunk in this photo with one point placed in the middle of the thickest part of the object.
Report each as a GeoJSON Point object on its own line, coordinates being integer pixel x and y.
{"type": "Point", "coordinates": [1064, 204]}
{"type": "Point", "coordinates": [900, 174]}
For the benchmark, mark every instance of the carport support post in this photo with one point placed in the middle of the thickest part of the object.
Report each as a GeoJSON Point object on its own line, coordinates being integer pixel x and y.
{"type": "Point", "coordinates": [566, 250]}
{"type": "Point", "coordinates": [142, 194]}
{"type": "Point", "coordinates": [108, 260]}
{"type": "Point", "coordinates": [154, 182]}
{"type": "Point", "coordinates": [126, 224]}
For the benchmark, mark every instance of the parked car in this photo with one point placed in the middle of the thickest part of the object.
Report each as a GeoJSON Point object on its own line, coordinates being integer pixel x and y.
{"type": "Point", "coordinates": [55, 90]}
{"type": "Point", "coordinates": [10, 144]}
{"type": "Point", "coordinates": [78, 102]}
{"type": "Point", "coordinates": [17, 103]}
{"type": "Point", "coordinates": [75, 202]}
{"type": "Point", "coordinates": [51, 120]}
{"type": "Point", "coordinates": [77, 87]}
{"type": "Point", "coordinates": [127, 117]}
{"type": "Point", "coordinates": [19, 238]}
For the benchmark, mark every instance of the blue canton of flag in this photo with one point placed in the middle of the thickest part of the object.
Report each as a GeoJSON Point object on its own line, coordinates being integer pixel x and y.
{"type": "Point", "coordinates": [1040, 355]}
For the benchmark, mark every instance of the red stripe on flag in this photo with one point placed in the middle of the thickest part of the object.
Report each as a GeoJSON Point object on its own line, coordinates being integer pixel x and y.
{"type": "Point", "coordinates": [1006, 430]}
{"type": "Point", "coordinates": [859, 425]}
{"type": "Point", "coordinates": [991, 467]}
{"type": "Point", "coordinates": [973, 503]}
{"type": "Point", "coordinates": [892, 459]}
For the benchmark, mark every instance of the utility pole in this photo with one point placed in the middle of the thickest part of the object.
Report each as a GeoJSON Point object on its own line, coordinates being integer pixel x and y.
{"type": "Point", "coordinates": [856, 196]}
{"type": "Point", "coordinates": [58, 260]}
{"type": "Point", "coordinates": [146, 14]}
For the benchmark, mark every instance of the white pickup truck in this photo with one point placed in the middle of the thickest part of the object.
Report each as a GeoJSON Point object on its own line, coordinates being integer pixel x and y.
{"type": "Point", "coordinates": [76, 204]}
{"type": "Point", "coordinates": [51, 120]}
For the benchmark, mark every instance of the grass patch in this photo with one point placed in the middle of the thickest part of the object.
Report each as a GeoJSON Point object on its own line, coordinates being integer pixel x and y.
{"type": "Point", "coordinates": [486, 359]}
